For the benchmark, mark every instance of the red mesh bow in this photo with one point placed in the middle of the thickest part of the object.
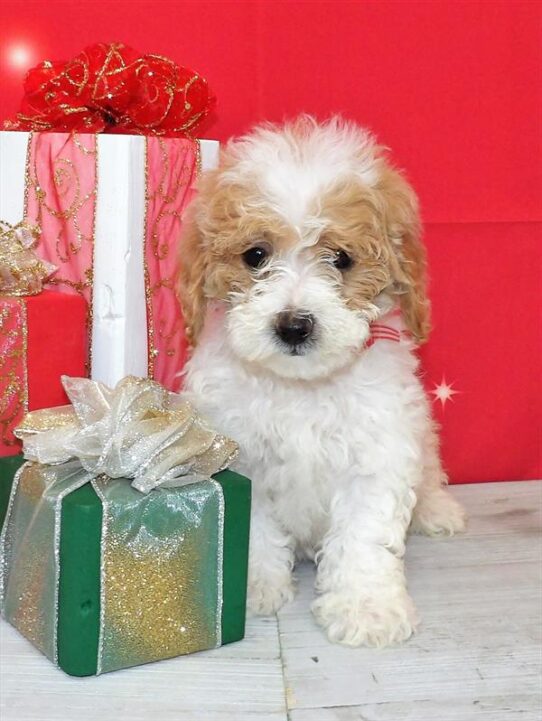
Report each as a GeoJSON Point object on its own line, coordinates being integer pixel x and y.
{"type": "Point", "coordinates": [112, 88]}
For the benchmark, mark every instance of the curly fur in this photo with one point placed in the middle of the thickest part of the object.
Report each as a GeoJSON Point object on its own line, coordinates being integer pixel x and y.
{"type": "Point", "coordinates": [338, 436]}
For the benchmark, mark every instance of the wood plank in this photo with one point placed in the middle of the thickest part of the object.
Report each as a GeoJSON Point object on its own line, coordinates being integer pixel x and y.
{"type": "Point", "coordinates": [238, 680]}
{"type": "Point", "coordinates": [499, 708]}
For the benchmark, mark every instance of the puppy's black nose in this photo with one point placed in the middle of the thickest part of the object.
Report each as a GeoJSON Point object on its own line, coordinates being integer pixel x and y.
{"type": "Point", "coordinates": [294, 328]}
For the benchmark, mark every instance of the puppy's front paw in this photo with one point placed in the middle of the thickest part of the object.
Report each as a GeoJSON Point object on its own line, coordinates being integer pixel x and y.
{"type": "Point", "coordinates": [438, 514]}
{"type": "Point", "coordinates": [363, 620]}
{"type": "Point", "coordinates": [266, 596]}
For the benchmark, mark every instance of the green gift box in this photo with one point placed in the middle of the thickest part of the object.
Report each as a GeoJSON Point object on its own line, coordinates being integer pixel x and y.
{"type": "Point", "coordinates": [102, 573]}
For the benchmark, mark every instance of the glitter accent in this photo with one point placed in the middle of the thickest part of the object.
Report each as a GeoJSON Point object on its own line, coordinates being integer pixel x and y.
{"type": "Point", "coordinates": [103, 541]}
{"type": "Point", "coordinates": [4, 536]}
{"type": "Point", "coordinates": [33, 484]}
{"type": "Point", "coordinates": [151, 350]}
{"type": "Point", "coordinates": [198, 158]}
{"type": "Point", "coordinates": [159, 589]}
{"type": "Point", "coordinates": [46, 419]}
{"type": "Point", "coordinates": [28, 155]}
{"type": "Point", "coordinates": [24, 331]}
{"type": "Point", "coordinates": [220, 562]}
{"type": "Point", "coordinates": [13, 367]}
{"type": "Point", "coordinates": [58, 516]}
{"type": "Point", "coordinates": [90, 271]}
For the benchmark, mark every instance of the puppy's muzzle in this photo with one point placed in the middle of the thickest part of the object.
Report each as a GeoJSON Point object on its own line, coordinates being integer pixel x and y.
{"type": "Point", "coordinates": [294, 327]}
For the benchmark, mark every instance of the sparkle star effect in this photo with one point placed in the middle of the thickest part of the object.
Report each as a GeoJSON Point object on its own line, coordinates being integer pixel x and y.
{"type": "Point", "coordinates": [444, 392]}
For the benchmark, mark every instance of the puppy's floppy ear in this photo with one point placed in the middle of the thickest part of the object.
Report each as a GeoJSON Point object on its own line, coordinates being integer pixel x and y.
{"type": "Point", "coordinates": [408, 259]}
{"type": "Point", "coordinates": [192, 274]}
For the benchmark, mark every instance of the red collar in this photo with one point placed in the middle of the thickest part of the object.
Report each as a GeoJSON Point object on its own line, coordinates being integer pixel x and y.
{"type": "Point", "coordinates": [389, 327]}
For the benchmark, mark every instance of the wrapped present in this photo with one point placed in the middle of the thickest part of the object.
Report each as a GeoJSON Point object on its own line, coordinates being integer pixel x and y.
{"type": "Point", "coordinates": [110, 205]}
{"type": "Point", "coordinates": [118, 547]}
{"type": "Point", "coordinates": [35, 351]}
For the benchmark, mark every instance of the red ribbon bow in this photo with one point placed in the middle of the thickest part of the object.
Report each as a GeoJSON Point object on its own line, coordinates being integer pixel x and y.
{"type": "Point", "coordinates": [112, 88]}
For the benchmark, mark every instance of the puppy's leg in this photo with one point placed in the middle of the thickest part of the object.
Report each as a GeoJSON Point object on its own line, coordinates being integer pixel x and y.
{"type": "Point", "coordinates": [364, 599]}
{"type": "Point", "coordinates": [271, 561]}
{"type": "Point", "coordinates": [436, 513]}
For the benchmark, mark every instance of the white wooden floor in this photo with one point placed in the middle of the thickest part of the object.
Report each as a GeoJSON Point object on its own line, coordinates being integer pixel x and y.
{"type": "Point", "coordinates": [477, 656]}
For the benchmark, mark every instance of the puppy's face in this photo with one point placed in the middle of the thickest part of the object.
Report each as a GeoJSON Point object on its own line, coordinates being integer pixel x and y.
{"type": "Point", "coordinates": [307, 235]}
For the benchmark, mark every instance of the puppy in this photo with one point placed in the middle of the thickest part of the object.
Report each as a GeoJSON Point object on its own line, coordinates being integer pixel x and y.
{"type": "Point", "coordinates": [303, 290]}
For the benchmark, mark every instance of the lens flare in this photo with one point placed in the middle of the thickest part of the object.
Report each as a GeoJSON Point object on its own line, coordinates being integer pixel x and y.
{"type": "Point", "coordinates": [20, 56]}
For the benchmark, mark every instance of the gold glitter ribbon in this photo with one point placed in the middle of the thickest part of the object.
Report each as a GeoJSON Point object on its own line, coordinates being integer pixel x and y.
{"type": "Point", "coordinates": [13, 369]}
{"type": "Point", "coordinates": [161, 550]}
{"type": "Point", "coordinates": [21, 271]}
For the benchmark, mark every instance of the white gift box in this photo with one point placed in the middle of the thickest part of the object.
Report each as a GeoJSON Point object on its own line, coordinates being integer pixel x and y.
{"type": "Point", "coordinates": [119, 332]}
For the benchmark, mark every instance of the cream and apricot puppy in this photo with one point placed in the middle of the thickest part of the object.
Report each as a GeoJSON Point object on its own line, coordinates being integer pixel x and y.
{"type": "Point", "coordinates": [303, 287]}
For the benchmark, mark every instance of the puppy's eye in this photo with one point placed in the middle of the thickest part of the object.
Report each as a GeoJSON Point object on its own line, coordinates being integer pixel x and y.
{"type": "Point", "coordinates": [342, 260]}
{"type": "Point", "coordinates": [255, 257]}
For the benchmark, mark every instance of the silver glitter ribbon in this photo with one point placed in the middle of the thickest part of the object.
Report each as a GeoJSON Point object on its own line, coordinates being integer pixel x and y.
{"type": "Point", "coordinates": [164, 540]}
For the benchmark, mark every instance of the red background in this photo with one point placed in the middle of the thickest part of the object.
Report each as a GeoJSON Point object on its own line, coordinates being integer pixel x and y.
{"type": "Point", "coordinates": [66, 352]}
{"type": "Point", "coordinates": [454, 88]}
